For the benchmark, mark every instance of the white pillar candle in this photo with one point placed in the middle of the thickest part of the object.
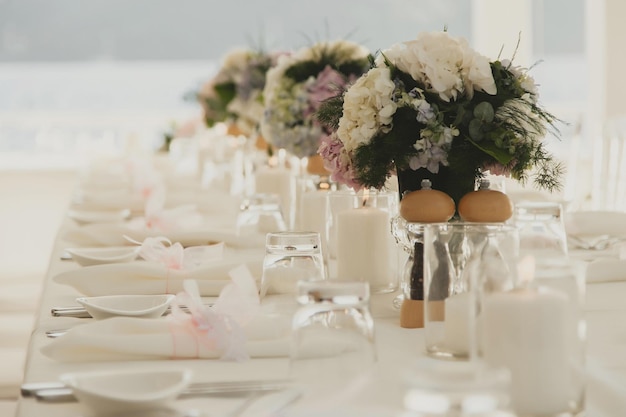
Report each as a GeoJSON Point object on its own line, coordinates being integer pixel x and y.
{"type": "Point", "coordinates": [362, 246]}
{"type": "Point", "coordinates": [525, 330]}
{"type": "Point", "coordinates": [456, 323]}
{"type": "Point", "coordinates": [279, 181]}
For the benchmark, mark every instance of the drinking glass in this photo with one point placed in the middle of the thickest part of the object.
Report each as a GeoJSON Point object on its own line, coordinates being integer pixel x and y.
{"type": "Point", "coordinates": [541, 229]}
{"type": "Point", "coordinates": [462, 262]}
{"type": "Point", "coordinates": [261, 213]}
{"type": "Point", "coordinates": [289, 258]}
{"type": "Point", "coordinates": [332, 332]}
{"type": "Point", "coordinates": [462, 389]}
{"type": "Point", "coordinates": [184, 156]}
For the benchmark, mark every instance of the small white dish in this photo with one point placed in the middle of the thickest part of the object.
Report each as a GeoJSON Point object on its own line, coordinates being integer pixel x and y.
{"type": "Point", "coordinates": [83, 217]}
{"type": "Point", "coordinates": [109, 392]}
{"type": "Point", "coordinates": [99, 256]}
{"type": "Point", "coordinates": [144, 306]}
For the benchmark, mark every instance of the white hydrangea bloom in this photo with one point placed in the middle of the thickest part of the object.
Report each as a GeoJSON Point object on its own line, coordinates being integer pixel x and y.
{"type": "Point", "coordinates": [368, 107]}
{"type": "Point", "coordinates": [234, 64]}
{"type": "Point", "coordinates": [443, 64]}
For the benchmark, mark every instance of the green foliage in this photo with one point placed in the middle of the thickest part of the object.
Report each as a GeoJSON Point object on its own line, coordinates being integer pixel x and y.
{"type": "Point", "coordinates": [218, 105]}
{"type": "Point", "coordinates": [330, 112]}
{"type": "Point", "coordinates": [337, 57]}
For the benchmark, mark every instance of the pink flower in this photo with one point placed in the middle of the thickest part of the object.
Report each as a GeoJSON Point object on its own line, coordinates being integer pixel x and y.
{"type": "Point", "coordinates": [328, 83]}
{"type": "Point", "coordinates": [338, 162]}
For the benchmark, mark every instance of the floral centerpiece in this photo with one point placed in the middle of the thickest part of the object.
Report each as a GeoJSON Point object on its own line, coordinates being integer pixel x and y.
{"type": "Point", "coordinates": [298, 85]}
{"type": "Point", "coordinates": [235, 93]}
{"type": "Point", "coordinates": [437, 108]}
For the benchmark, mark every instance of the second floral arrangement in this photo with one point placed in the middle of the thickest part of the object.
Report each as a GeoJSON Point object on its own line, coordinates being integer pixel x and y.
{"type": "Point", "coordinates": [299, 84]}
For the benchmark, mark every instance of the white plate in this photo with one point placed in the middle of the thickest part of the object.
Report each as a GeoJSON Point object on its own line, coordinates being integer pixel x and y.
{"type": "Point", "coordinates": [109, 392]}
{"type": "Point", "coordinates": [98, 216]}
{"type": "Point", "coordinates": [98, 256]}
{"type": "Point", "coordinates": [146, 306]}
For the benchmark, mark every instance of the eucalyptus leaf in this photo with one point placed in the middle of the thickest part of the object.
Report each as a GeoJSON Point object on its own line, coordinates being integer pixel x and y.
{"type": "Point", "coordinates": [459, 116]}
{"type": "Point", "coordinates": [484, 112]}
{"type": "Point", "coordinates": [501, 155]}
{"type": "Point", "coordinates": [475, 130]}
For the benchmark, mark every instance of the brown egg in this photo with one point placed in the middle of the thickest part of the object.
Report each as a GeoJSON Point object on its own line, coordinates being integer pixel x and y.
{"type": "Point", "coordinates": [485, 205]}
{"type": "Point", "coordinates": [427, 206]}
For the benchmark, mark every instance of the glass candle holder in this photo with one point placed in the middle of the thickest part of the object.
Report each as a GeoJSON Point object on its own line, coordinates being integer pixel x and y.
{"type": "Point", "coordinates": [360, 237]}
{"type": "Point", "coordinates": [537, 331]}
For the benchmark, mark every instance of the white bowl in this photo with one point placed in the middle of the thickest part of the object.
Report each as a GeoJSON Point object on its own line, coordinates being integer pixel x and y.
{"type": "Point", "coordinates": [98, 216]}
{"type": "Point", "coordinates": [144, 306]}
{"type": "Point", "coordinates": [108, 392]}
{"type": "Point", "coordinates": [99, 256]}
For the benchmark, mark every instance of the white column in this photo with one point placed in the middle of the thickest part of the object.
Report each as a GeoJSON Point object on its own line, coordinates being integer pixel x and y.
{"type": "Point", "coordinates": [498, 24]}
{"type": "Point", "coordinates": [606, 37]}
{"type": "Point", "coordinates": [605, 40]}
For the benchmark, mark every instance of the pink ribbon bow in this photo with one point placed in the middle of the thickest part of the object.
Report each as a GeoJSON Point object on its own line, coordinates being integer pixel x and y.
{"type": "Point", "coordinates": [219, 327]}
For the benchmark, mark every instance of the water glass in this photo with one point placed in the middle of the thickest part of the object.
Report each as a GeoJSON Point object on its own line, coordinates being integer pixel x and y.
{"type": "Point", "coordinates": [184, 156]}
{"type": "Point", "coordinates": [463, 389]}
{"type": "Point", "coordinates": [332, 332]}
{"type": "Point", "coordinates": [261, 213]}
{"type": "Point", "coordinates": [462, 262]}
{"type": "Point", "coordinates": [541, 229]}
{"type": "Point", "coordinates": [291, 257]}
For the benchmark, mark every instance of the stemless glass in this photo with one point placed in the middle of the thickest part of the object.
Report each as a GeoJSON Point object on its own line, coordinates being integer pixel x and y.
{"type": "Point", "coordinates": [447, 388]}
{"type": "Point", "coordinates": [462, 262]}
{"type": "Point", "coordinates": [289, 258]}
{"type": "Point", "coordinates": [541, 229]}
{"type": "Point", "coordinates": [332, 332]}
{"type": "Point", "coordinates": [261, 213]}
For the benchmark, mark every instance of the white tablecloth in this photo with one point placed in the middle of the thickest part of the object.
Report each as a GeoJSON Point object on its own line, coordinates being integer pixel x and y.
{"type": "Point", "coordinates": [380, 394]}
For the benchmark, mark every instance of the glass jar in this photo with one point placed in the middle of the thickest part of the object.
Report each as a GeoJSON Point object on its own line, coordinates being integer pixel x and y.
{"type": "Point", "coordinates": [462, 262]}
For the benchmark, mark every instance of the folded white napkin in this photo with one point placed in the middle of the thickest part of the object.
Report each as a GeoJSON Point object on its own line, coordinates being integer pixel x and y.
{"type": "Point", "coordinates": [112, 234]}
{"type": "Point", "coordinates": [126, 338]}
{"type": "Point", "coordinates": [233, 329]}
{"type": "Point", "coordinates": [152, 278]}
{"type": "Point", "coordinates": [606, 270]}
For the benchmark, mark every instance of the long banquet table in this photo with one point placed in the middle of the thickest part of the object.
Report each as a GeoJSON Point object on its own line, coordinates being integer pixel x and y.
{"type": "Point", "coordinates": [380, 394]}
